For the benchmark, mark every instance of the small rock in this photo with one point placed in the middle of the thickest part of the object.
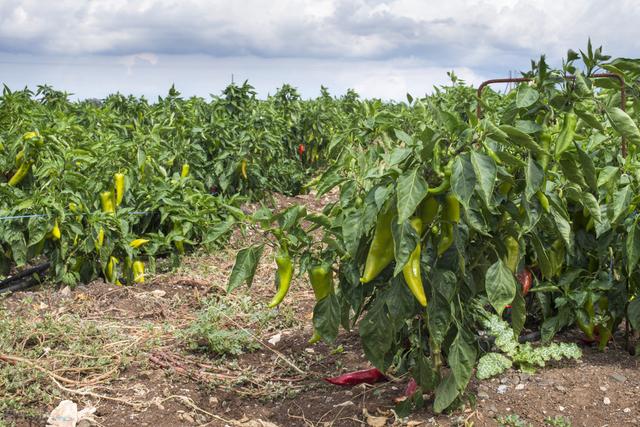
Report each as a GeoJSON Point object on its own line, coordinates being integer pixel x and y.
{"type": "Point", "coordinates": [213, 401]}
{"type": "Point", "coordinates": [525, 377]}
{"type": "Point", "coordinates": [483, 395]}
{"type": "Point", "coordinates": [504, 380]}
{"type": "Point", "coordinates": [561, 408]}
{"type": "Point", "coordinates": [491, 414]}
{"type": "Point", "coordinates": [65, 292]}
{"type": "Point", "coordinates": [275, 339]}
{"type": "Point", "coordinates": [626, 410]}
{"type": "Point", "coordinates": [618, 377]}
{"type": "Point", "coordinates": [561, 388]}
{"type": "Point", "coordinates": [602, 388]}
{"type": "Point", "coordinates": [158, 293]}
{"type": "Point", "coordinates": [502, 389]}
{"type": "Point", "coordinates": [493, 408]}
{"type": "Point", "coordinates": [84, 423]}
{"type": "Point", "coordinates": [188, 418]}
{"type": "Point", "coordinates": [483, 387]}
{"type": "Point", "coordinates": [520, 386]}
{"type": "Point", "coordinates": [606, 401]}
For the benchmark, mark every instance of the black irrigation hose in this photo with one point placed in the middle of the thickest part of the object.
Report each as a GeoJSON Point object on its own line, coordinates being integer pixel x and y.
{"type": "Point", "coordinates": [23, 278]}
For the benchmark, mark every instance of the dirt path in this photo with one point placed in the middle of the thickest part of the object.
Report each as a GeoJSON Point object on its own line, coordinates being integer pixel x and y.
{"type": "Point", "coordinates": [129, 352]}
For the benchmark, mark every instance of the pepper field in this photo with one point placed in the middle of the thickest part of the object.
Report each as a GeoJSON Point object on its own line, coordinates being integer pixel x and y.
{"type": "Point", "coordinates": [225, 261]}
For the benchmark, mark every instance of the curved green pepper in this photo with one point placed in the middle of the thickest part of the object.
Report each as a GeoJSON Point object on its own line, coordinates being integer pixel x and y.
{"type": "Point", "coordinates": [565, 137]}
{"type": "Point", "coordinates": [411, 270]}
{"type": "Point", "coordinates": [381, 251]}
{"type": "Point", "coordinates": [283, 277]}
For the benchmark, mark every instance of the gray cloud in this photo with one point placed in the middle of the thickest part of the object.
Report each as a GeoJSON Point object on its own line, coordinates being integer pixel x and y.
{"type": "Point", "coordinates": [294, 28]}
{"type": "Point", "coordinates": [403, 43]}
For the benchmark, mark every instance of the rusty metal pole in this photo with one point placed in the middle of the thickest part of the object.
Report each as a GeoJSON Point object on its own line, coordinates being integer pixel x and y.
{"type": "Point", "coordinates": [623, 98]}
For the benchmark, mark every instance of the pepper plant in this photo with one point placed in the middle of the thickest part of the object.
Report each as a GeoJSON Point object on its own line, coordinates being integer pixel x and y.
{"type": "Point", "coordinates": [536, 188]}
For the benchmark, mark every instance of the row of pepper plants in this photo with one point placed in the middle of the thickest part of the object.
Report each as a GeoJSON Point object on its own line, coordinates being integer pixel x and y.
{"type": "Point", "coordinates": [452, 232]}
{"type": "Point", "coordinates": [103, 188]}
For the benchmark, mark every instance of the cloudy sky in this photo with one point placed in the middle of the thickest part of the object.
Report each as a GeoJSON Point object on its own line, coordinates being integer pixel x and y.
{"type": "Point", "coordinates": [381, 48]}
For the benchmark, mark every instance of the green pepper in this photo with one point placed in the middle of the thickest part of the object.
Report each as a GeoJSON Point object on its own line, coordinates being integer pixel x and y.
{"type": "Point", "coordinates": [411, 270]}
{"type": "Point", "coordinates": [513, 253]}
{"type": "Point", "coordinates": [20, 174]}
{"type": "Point", "coordinates": [381, 251]}
{"type": "Point", "coordinates": [544, 201]}
{"type": "Point", "coordinates": [283, 277]}
{"type": "Point", "coordinates": [118, 183]}
{"type": "Point", "coordinates": [446, 238]}
{"type": "Point", "coordinates": [321, 278]}
{"type": "Point", "coordinates": [586, 325]}
{"type": "Point", "coordinates": [428, 210]}
{"type": "Point", "coordinates": [138, 272]}
{"type": "Point", "coordinates": [452, 209]}
{"type": "Point", "coordinates": [565, 137]}
{"type": "Point", "coordinates": [106, 199]}
{"type": "Point", "coordinates": [545, 142]}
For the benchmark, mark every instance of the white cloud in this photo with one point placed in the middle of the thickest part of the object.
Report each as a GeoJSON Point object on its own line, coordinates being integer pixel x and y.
{"type": "Point", "coordinates": [476, 37]}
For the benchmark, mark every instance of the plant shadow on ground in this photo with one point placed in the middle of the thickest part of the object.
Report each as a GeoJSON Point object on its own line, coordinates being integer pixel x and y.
{"type": "Point", "coordinates": [178, 351]}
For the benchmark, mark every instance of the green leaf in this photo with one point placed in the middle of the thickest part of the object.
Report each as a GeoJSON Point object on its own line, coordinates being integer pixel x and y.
{"type": "Point", "coordinates": [521, 139]}
{"type": "Point", "coordinates": [446, 394]}
{"type": "Point", "coordinates": [404, 137]}
{"type": "Point", "coordinates": [377, 334]}
{"type": "Point", "coordinates": [411, 188]}
{"type": "Point", "coordinates": [621, 201]}
{"type": "Point", "coordinates": [606, 175]}
{"type": "Point", "coordinates": [518, 313]}
{"type": "Point", "coordinates": [526, 96]}
{"type": "Point", "coordinates": [486, 173]}
{"type": "Point", "coordinates": [633, 311]}
{"type": "Point", "coordinates": [588, 169]}
{"type": "Point", "coordinates": [439, 318]}
{"type": "Point", "coordinates": [245, 266]}
{"type": "Point", "coordinates": [624, 125]}
{"type": "Point", "coordinates": [571, 170]}
{"type": "Point", "coordinates": [326, 317]}
{"type": "Point", "coordinates": [589, 201]}
{"type": "Point", "coordinates": [405, 240]}
{"type": "Point", "coordinates": [461, 359]}
{"type": "Point", "coordinates": [534, 176]}
{"type": "Point", "coordinates": [633, 247]}
{"type": "Point", "coordinates": [463, 180]}
{"type": "Point", "coordinates": [500, 286]}
{"type": "Point", "coordinates": [589, 119]}
{"type": "Point", "coordinates": [492, 364]}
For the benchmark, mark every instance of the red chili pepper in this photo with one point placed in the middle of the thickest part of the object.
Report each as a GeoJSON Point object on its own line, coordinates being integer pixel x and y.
{"type": "Point", "coordinates": [368, 376]}
{"type": "Point", "coordinates": [301, 150]}
{"type": "Point", "coordinates": [525, 278]}
{"type": "Point", "coordinates": [412, 386]}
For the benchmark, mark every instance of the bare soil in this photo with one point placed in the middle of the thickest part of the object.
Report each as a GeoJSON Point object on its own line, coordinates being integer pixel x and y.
{"type": "Point", "coordinates": [165, 383]}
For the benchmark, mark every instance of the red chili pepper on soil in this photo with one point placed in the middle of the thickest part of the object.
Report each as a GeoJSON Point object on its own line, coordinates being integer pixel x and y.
{"type": "Point", "coordinates": [525, 278]}
{"type": "Point", "coordinates": [368, 376]}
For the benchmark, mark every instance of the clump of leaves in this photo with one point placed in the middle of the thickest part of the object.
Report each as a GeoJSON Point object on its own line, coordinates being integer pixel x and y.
{"type": "Point", "coordinates": [212, 331]}
{"type": "Point", "coordinates": [525, 356]}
